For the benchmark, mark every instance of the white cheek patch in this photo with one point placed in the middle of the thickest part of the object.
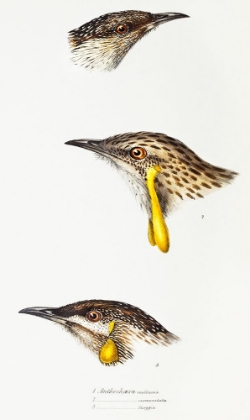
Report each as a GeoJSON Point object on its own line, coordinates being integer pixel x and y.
{"type": "Point", "coordinates": [97, 54]}
{"type": "Point", "coordinates": [135, 184]}
{"type": "Point", "coordinates": [138, 188]}
{"type": "Point", "coordinates": [96, 327]}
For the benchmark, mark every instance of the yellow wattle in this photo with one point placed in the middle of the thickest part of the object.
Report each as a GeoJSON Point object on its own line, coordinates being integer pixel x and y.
{"type": "Point", "coordinates": [151, 236]}
{"type": "Point", "coordinates": [157, 229]}
{"type": "Point", "coordinates": [109, 352]}
{"type": "Point", "coordinates": [111, 326]}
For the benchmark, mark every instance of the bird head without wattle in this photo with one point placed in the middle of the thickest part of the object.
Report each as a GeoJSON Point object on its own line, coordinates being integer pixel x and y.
{"type": "Point", "coordinates": [103, 42]}
{"type": "Point", "coordinates": [107, 328]}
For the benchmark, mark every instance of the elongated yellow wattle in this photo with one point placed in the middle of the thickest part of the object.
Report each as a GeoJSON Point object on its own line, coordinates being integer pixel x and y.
{"type": "Point", "coordinates": [157, 229]}
{"type": "Point", "coordinates": [109, 352]}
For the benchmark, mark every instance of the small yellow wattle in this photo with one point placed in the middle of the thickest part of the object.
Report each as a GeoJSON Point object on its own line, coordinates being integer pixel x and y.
{"type": "Point", "coordinates": [111, 326]}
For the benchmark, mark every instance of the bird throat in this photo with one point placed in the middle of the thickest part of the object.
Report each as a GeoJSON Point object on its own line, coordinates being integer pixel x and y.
{"type": "Point", "coordinates": [109, 351]}
{"type": "Point", "coordinates": [157, 229]}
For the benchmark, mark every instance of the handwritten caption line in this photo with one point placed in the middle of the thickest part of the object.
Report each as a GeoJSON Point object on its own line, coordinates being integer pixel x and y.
{"type": "Point", "coordinates": [142, 403]}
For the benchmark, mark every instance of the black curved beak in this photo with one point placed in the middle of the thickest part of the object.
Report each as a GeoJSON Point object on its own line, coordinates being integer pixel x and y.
{"type": "Point", "coordinates": [96, 146]}
{"type": "Point", "coordinates": [167, 17]}
{"type": "Point", "coordinates": [93, 145]}
{"type": "Point", "coordinates": [44, 312]}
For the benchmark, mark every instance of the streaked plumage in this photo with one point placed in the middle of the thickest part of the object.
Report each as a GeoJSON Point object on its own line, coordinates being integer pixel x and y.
{"type": "Point", "coordinates": [103, 42]}
{"type": "Point", "coordinates": [181, 174]}
{"type": "Point", "coordinates": [107, 328]}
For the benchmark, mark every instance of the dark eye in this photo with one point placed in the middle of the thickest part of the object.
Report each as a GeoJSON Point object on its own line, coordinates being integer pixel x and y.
{"type": "Point", "coordinates": [138, 153]}
{"type": "Point", "coordinates": [122, 29]}
{"type": "Point", "coordinates": [94, 316]}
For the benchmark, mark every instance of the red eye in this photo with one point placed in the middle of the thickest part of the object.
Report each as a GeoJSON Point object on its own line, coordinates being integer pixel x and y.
{"type": "Point", "coordinates": [138, 153]}
{"type": "Point", "coordinates": [94, 316]}
{"type": "Point", "coordinates": [122, 29]}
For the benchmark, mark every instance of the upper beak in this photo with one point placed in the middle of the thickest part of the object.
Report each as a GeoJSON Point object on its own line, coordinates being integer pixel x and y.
{"type": "Point", "coordinates": [167, 17]}
{"type": "Point", "coordinates": [92, 145]}
{"type": "Point", "coordinates": [44, 312]}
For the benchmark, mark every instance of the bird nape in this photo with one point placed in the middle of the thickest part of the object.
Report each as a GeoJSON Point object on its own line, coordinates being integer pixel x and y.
{"type": "Point", "coordinates": [161, 172]}
{"type": "Point", "coordinates": [107, 328]}
{"type": "Point", "coordinates": [103, 42]}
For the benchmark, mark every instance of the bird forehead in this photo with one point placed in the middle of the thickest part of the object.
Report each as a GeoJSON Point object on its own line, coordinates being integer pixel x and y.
{"type": "Point", "coordinates": [124, 145]}
{"type": "Point", "coordinates": [79, 310]}
{"type": "Point", "coordinates": [105, 24]}
{"type": "Point", "coordinates": [151, 146]}
{"type": "Point", "coordinates": [129, 16]}
{"type": "Point", "coordinates": [138, 139]}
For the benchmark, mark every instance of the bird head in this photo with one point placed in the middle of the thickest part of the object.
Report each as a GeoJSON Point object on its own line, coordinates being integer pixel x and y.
{"type": "Point", "coordinates": [103, 42]}
{"type": "Point", "coordinates": [132, 154]}
{"type": "Point", "coordinates": [161, 171]}
{"type": "Point", "coordinates": [106, 328]}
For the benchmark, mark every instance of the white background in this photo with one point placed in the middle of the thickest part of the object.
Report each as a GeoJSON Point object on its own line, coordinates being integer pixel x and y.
{"type": "Point", "coordinates": [71, 230]}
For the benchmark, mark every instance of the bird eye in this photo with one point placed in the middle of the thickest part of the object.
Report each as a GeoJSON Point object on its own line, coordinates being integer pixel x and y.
{"type": "Point", "coordinates": [122, 29]}
{"type": "Point", "coordinates": [138, 153]}
{"type": "Point", "coordinates": [94, 316]}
